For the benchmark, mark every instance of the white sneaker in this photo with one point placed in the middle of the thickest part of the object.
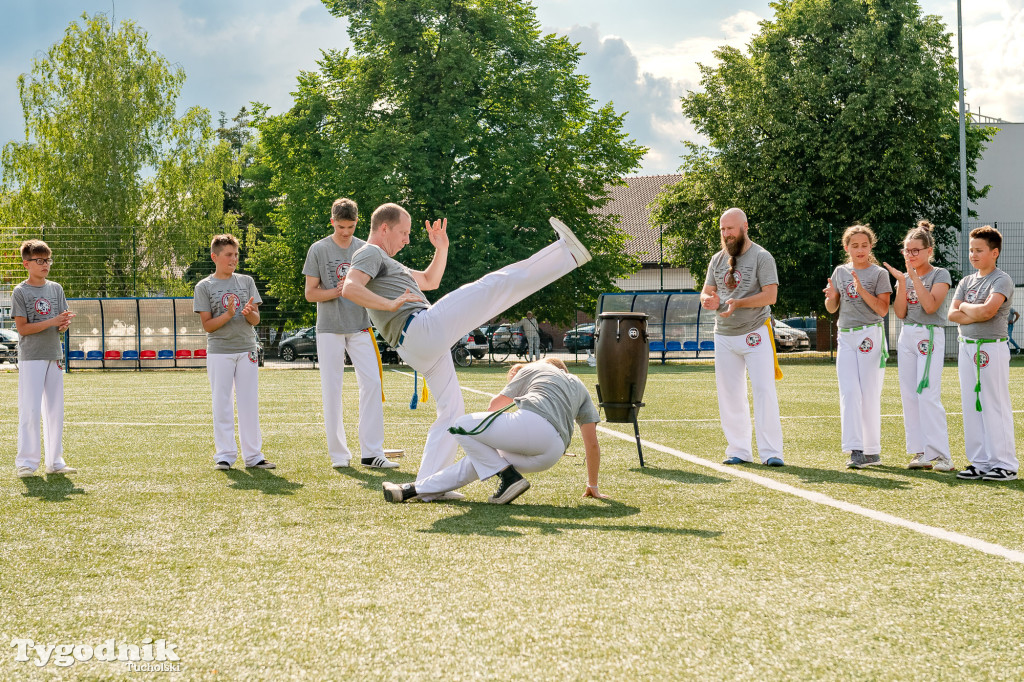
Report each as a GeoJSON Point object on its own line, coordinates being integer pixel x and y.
{"type": "Point", "coordinates": [25, 472]}
{"type": "Point", "coordinates": [62, 470]}
{"type": "Point", "coordinates": [344, 464]}
{"type": "Point", "coordinates": [378, 463]}
{"type": "Point", "coordinates": [919, 462]}
{"type": "Point", "coordinates": [944, 464]}
{"type": "Point", "coordinates": [222, 466]}
{"type": "Point", "coordinates": [450, 496]}
{"type": "Point", "coordinates": [579, 252]}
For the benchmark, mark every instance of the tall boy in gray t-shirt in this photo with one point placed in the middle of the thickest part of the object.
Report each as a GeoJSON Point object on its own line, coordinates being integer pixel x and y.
{"type": "Point", "coordinates": [343, 326]}
{"type": "Point", "coordinates": [232, 355]}
{"type": "Point", "coordinates": [740, 286]}
{"type": "Point", "coordinates": [41, 315]}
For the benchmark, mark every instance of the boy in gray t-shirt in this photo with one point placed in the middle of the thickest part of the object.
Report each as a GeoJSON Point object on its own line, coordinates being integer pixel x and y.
{"type": "Point", "coordinates": [232, 355]}
{"type": "Point", "coordinates": [344, 327]}
{"type": "Point", "coordinates": [41, 315]}
{"type": "Point", "coordinates": [508, 444]}
{"type": "Point", "coordinates": [981, 306]}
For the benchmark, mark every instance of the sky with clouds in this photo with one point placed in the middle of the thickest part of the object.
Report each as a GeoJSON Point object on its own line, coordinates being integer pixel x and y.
{"type": "Point", "coordinates": [641, 54]}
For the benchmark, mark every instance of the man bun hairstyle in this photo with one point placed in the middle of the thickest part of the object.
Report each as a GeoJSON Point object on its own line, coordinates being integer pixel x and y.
{"type": "Point", "coordinates": [991, 235]}
{"type": "Point", "coordinates": [344, 209]}
{"type": "Point", "coordinates": [34, 248]}
{"type": "Point", "coordinates": [389, 213]}
{"type": "Point", "coordinates": [222, 240]}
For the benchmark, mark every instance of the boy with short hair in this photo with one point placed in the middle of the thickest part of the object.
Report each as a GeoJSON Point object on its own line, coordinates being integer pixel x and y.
{"type": "Point", "coordinates": [232, 355]}
{"type": "Point", "coordinates": [41, 314]}
{"type": "Point", "coordinates": [981, 306]}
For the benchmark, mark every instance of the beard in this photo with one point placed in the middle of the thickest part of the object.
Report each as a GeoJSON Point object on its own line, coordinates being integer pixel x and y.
{"type": "Point", "coordinates": [734, 247]}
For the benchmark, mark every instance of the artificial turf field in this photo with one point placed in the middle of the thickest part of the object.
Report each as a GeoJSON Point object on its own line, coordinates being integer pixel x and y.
{"type": "Point", "coordinates": [689, 572]}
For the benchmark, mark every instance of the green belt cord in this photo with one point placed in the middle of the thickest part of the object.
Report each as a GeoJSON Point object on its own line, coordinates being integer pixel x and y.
{"type": "Point", "coordinates": [885, 346]}
{"type": "Point", "coordinates": [977, 364]}
{"type": "Point", "coordinates": [928, 363]}
{"type": "Point", "coordinates": [482, 426]}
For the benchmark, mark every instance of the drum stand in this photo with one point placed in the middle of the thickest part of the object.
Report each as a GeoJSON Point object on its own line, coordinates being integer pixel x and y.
{"type": "Point", "coordinates": [634, 408]}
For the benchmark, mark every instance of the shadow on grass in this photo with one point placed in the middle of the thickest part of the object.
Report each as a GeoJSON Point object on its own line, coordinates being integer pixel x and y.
{"type": "Point", "coordinates": [53, 488]}
{"type": "Point", "coordinates": [842, 477]}
{"type": "Point", "coordinates": [678, 475]}
{"type": "Point", "coordinates": [502, 520]}
{"type": "Point", "coordinates": [370, 479]}
{"type": "Point", "coordinates": [262, 480]}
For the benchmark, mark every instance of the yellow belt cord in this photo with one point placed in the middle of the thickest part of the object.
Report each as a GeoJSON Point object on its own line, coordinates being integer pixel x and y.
{"type": "Point", "coordinates": [775, 353]}
{"type": "Point", "coordinates": [380, 363]}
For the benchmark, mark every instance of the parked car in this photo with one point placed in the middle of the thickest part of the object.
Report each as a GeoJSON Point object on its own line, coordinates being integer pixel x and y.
{"type": "Point", "coordinates": [788, 338]}
{"type": "Point", "coordinates": [809, 325]}
{"type": "Point", "coordinates": [299, 346]}
{"type": "Point", "coordinates": [9, 346]}
{"type": "Point", "coordinates": [476, 343]}
{"type": "Point", "coordinates": [295, 332]}
{"type": "Point", "coordinates": [519, 345]}
{"type": "Point", "coordinates": [497, 333]}
{"type": "Point", "coordinates": [580, 337]}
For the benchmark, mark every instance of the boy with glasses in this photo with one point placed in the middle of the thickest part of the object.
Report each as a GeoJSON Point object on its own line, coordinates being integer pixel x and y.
{"type": "Point", "coordinates": [41, 314]}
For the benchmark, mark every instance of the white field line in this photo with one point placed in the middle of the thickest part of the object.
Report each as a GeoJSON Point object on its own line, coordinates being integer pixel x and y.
{"type": "Point", "coordinates": [794, 416]}
{"type": "Point", "coordinates": [818, 498]}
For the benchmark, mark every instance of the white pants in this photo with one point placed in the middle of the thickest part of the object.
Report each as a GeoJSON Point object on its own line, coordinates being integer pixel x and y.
{"type": "Point", "coordinates": [858, 364]}
{"type": "Point", "coordinates": [735, 358]}
{"type": "Point", "coordinates": [988, 434]}
{"type": "Point", "coordinates": [533, 348]}
{"type": "Point", "coordinates": [235, 373]}
{"type": "Point", "coordinates": [40, 395]}
{"type": "Point", "coordinates": [924, 417]}
{"type": "Point", "coordinates": [523, 439]}
{"type": "Point", "coordinates": [430, 335]}
{"type": "Point", "coordinates": [330, 350]}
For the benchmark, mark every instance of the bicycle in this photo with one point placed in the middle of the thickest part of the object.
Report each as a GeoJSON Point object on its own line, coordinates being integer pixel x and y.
{"type": "Point", "coordinates": [461, 355]}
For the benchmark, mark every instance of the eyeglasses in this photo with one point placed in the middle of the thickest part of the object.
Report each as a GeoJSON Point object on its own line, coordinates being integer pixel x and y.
{"type": "Point", "coordinates": [42, 261]}
{"type": "Point", "coordinates": [912, 252]}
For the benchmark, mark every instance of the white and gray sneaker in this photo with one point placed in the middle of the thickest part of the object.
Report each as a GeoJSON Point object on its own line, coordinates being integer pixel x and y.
{"type": "Point", "coordinates": [857, 460]}
{"type": "Point", "coordinates": [262, 464]}
{"type": "Point", "coordinates": [919, 462]}
{"type": "Point", "coordinates": [999, 474]}
{"type": "Point", "coordinates": [944, 464]}
{"type": "Point", "coordinates": [25, 472]}
{"type": "Point", "coordinates": [579, 252]}
{"type": "Point", "coordinates": [61, 470]}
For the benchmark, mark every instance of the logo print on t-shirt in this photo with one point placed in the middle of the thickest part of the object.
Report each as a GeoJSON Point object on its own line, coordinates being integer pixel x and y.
{"type": "Point", "coordinates": [923, 348]}
{"type": "Point", "coordinates": [911, 296]}
{"type": "Point", "coordinates": [224, 300]}
{"type": "Point", "coordinates": [341, 271]}
{"type": "Point", "coordinates": [43, 306]}
{"type": "Point", "coordinates": [737, 281]}
{"type": "Point", "coordinates": [984, 359]}
{"type": "Point", "coordinates": [866, 346]}
{"type": "Point", "coordinates": [971, 296]}
{"type": "Point", "coordinates": [753, 339]}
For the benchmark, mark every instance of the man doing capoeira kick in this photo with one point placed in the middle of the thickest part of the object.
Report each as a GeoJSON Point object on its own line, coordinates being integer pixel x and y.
{"type": "Point", "coordinates": [740, 286]}
{"type": "Point", "coordinates": [422, 333]}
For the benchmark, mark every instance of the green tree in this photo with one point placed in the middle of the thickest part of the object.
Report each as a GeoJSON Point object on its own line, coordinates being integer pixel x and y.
{"type": "Point", "coordinates": [457, 109]}
{"type": "Point", "coordinates": [104, 150]}
{"type": "Point", "coordinates": [840, 111]}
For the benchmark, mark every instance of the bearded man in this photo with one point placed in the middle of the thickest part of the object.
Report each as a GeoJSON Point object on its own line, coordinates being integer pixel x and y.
{"type": "Point", "coordinates": [741, 285]}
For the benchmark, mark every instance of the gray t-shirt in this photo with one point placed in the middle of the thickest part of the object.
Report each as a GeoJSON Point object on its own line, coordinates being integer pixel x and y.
{"type": "Point", "coordinates": [330, 263]}
{"type": "Point", "coordinates": [755, 268]}
{"type": "Point", "coordinates": [38, 304]}
{"type": "Point", "coordinates": [212, 296]}
{"type": "Point", "coordinates": [853, 311]}
{"type": "Point", "coordinates": [390, 279]}
{"type": "Point", "coordinates": [557, 396]}
{"type": "Point", "coordinates": [976, 289]}
{"type": "Point", "coordinates": [915, 313]}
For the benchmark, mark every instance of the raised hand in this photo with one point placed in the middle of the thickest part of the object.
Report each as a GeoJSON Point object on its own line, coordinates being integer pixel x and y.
{"type": "Point", "coordinates": [249, 308]}
{"type": "Point", "coordinates": [900, 276]}
{"type": "Point", "coordinates": [407, 297]}
{"type": "Point", "coordinates": [438, 233]}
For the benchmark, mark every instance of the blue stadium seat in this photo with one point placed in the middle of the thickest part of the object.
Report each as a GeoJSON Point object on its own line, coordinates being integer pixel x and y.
{"type": "Point", "coordinates": [165, 355]}
{"type": "Point", "coordinates": [76, 355]}
{"type": "Point", "coordinates": [94, 355]}
{"type": "Point", "coordinates": [690, 346]}
{"type": "Point", "coordinates": [707, 345]}
{"type": "Point", "coordinates": [130, 355]}
{"type": "Point", "coordinates": [657, 346]}
{"type": "Point", "coordinates": [673, 346]}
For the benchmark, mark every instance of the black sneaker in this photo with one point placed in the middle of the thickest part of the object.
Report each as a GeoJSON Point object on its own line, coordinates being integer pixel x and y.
{"type": "Point", "coordinates": [398, 493]}
{"type": "Point", "coordinates": [857, 460]}
{"type": "Point", "coordinates": [1000, 474]}
{"type": "Point", "coordinates": [512, 486]}
{"type": "Point", "coordinates": [971, 474]}
{"type": "Point", "coordinates": [222, 466]}
{"type": "Point", "coordinates": [873, 460]}
{"type": "Point", "coordinates": [262, 464]}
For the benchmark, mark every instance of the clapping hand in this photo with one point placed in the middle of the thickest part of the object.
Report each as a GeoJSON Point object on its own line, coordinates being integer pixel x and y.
{"type": "Point", "coordinates": [730, 307]}
{"type": "Point", "coordinates": [64, 321]}
{"type": "Point", "coordinates": [249, 308]}
{"type": "Point", "coordinates": [712, 302]}
{"type": "Point", "coordinates": [830, 290]}
{"type": "Point", "coordinates": [901, 277]}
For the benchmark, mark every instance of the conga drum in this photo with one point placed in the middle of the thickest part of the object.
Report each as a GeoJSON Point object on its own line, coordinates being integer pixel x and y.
{"type": "Point", "coordinates": [622, 358]}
